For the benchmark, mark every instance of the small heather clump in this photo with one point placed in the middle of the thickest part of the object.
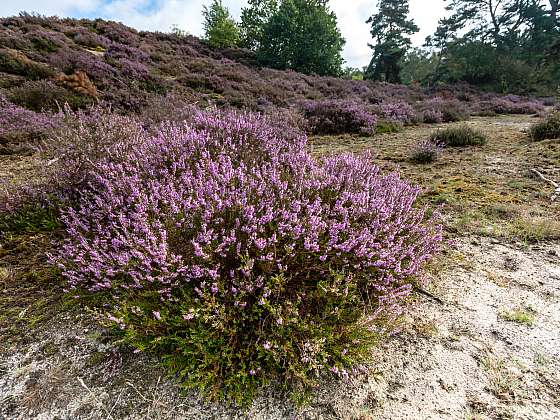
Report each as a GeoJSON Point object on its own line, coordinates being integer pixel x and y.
{"type": "Point", "coordinates": [460, 136]}
{"type": "Point", "coordinates": [22, 126]}
{"type": "Point", "coordinates": [222, 245]}
{"type": "Point", "coordinates": [426, 151]}
{"type": "Point", "coordinates": [398, 112]}
{"type": "Point", "coordinates": [549, 128]}
{"type": "Point", "coordinates": [450, 109]}
{"type": "Point", "coordinates": [338, 117]}
{"type": "Point", "coordinates": [432, 116]}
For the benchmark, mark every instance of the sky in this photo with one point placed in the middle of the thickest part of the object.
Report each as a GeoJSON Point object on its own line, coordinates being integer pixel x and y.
{"type": "Point", "coordinates": [186, 14]}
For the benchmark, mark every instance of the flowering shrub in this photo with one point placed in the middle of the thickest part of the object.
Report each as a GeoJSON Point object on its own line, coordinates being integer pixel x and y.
{"type": "Point", "coordinates": [426, 151]}
{"type": "Point", "coordinates": [46, 95]}
{"type": "Point", "coordinates": [432, 116]}
{"type": "Point", "coordinates": [89, 39]}
{"type": "Point", "coordinates": [338, 117]}
{"type": "Point", "coordinates": [399, 112]}
{"type": "Point", "coordinates": [511, 104]}
{"type": "Point", "coordinates": [450, 110]}
{"type": "Point", "coordinates": [19, 125]}
{"type": "Point", "coordinates": [223, 246]}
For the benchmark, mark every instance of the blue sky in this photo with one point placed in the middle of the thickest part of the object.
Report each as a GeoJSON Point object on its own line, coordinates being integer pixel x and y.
{"type": "Point", "coordinates": [161, 14]}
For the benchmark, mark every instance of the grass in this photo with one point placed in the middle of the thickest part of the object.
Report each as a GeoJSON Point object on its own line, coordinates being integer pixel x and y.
{"type": "Point", "coordinates": [31, 289]}
{"type": "Point", "coordinates": [504, 382]}
{"type": "Point", "coordinates": [486, 190]}
{"type": "Point", "coordinates": [519, 316]}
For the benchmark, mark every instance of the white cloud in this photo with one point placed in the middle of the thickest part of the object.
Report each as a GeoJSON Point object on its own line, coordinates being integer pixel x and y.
{"type": "Point", "coordinates": [162, 14]}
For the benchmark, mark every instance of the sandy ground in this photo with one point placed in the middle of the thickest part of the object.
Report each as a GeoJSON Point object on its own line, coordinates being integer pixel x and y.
{"type": "Point", "coordinates": [456, 360]}
{"type": "Point", "coordinates": [491, 350]}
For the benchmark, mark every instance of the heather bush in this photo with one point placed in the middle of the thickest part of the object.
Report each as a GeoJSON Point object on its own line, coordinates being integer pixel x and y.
{"type": "Point", "coordinates": [338, 117]}
{"type": "Point", "coordinates": [511, 104]}
{"type": "Point", "coordinates": [398, 112]}
{"type": "Point", "coordinates": [432, 116]}
{"type": "Point", "coordinates": [82, 140]}
{"type": "Point", "coordinates": [46, 95]}
{"type": "Point", "coordinates": [459, 137]}
{"type": "Point", "coordinates": [14, 62]}
{"type": "Point", "coordinates": [451, 110]}
{"type": "Point", "coordinates": [21, 126]}
{"type": "Point", "coordinates": [549, 128]}
{"type": "Point", "coordinates": [69, 61]}
{"type": "Point", "coordinates": [90, 39]}
{"type": "Point", "coordinates": [426, 151]}
{"type": "Point", "coordinates": [222, 246]}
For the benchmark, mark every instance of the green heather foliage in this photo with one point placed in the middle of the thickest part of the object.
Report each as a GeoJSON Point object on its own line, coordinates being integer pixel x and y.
{"type": "Point", "coordinates": [460, 136]}
{"type": "Point", "coordinates": [220, 30]}
{"type": "Point", "coordinates": [546, 129]}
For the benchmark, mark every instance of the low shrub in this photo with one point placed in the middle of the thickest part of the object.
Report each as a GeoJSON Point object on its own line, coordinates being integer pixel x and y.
{"type": "Point", "coordinates": [425, 151]}
{"type": "Point", "coordinates": [19, 125]}
{"type": "Point", "coordinates": [388, 127]}
{"type": "Point", "coordinates": [15, 62]}
{"type": "Point", "coordinates": [46, 95]}
{"type": "Point", "coordinates": [459, 137]}
{"type": "Point", "coordinates": [338, 117]}
{"type": "Point", "coordinates": [432, 116]}
{"type": "Point", "coordinates": [511, 104]}
{"type": "Point", "coordinates": [398, 112]}
{"type": "Point", "coordinates": [549, 128]}
{"type": "Point", "coordinates": [451, 110]}
{"type": "Point", "coordinates": [223, 246]}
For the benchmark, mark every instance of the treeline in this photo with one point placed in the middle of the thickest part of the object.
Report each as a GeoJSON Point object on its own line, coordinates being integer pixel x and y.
{"type": "Point", "coordinates": [501, 45]}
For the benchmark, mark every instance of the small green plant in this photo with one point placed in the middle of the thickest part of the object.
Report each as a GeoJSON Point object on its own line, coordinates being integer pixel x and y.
{"type": "Point", "coordinates": [460, 136]}
{"type": "Point", "coordinates": [546, 129]}
{"type": "Point", "coordinates": [31, 218]}
{"type": "Point", "coordinates": [426, 151]}
{"type": "Point", "coordinates": [520, 316]}
{"type": "Point", "coordinates": [388, 127]}
{"type": "Point", "coordinates": [504, 382]}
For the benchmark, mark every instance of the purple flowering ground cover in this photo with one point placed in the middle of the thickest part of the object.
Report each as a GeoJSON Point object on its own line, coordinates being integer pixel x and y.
{"type": "Point", "coordinates": [225, 243]}
{"type": "Point", "coordinates": [221, 244]}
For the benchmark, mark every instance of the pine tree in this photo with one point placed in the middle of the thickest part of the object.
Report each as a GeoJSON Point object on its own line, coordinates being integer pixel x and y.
{"type": "Point", "coordinates": [391, 30]}
{"type": "Point", "coordinates": [220, 30]}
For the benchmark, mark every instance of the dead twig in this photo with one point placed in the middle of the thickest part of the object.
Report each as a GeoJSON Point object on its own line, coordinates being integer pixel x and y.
{"type": "Point", "coordinates": [428, 294]}
{"type": "Point", "coordinates": [99, 402]}
{"type": "Point", "coordinates": [556, 193]}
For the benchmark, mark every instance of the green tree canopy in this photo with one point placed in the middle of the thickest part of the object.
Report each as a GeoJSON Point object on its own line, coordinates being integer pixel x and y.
{"type": "Point", "coordinates": [254, 17]}
{"type": "Point", "coordinates": [391, 30]}
{"type": "Point", "coordinates": [510, 45]}
{"type": "Point", "coordinates": [303, 36]}
{"type": "Point", "coordinates": [220, 30]}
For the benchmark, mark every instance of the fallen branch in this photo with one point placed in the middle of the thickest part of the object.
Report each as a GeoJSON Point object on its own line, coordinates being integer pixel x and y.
{"type": "Point", "coordinates": [556, 193]}
{"type": "Point", "coordinates": [428, 294]}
